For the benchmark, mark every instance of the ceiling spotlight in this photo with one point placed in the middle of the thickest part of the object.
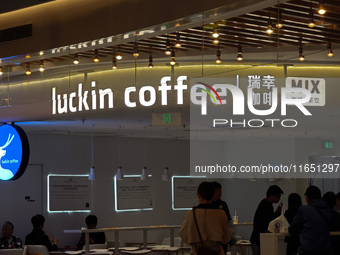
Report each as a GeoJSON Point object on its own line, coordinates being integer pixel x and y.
{"type": "Point", "coordinates": [75, 59]}
{"type": "Point", "coordinates": [172, 61]}
{"type": "Point", "coordinates": [301, 56]}
{"type": "Point", "coordinates": [135, 50]}
{"type": "Point", "coordinates": [216, 34]}
{"type": "Point", "coordinates": [218, 56]}
{"type": "Point", "coordinates": [167, 47]}
{"type": "Point", "coordinates": [96, 58]}
{"type": "Point", "coordinates": [1, 73]}
{"type": "Point", "coordinates": [239, 53]}
{"type": "Point", "coordinates": [41, 66]}
{"type": "Point", "coordinates": [178, 40]}
{"type": "Point", "coordinates": [119, 54]}
{"type": "Point", "coordinates": [114, 61]}
{"type": "Point", "coordinates": [28, 70]}
{"type": "Point", "coordinates": [321, 9]}
{"type": "Point", "coordinates": [311, 23]}
{"type": "Point", "coordinates": [330, 51]}
{"type": "Point", "coordinates": [150, 61]}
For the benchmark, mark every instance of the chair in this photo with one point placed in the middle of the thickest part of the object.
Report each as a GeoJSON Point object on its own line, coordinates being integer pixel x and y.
{"type": "Point", "coordinates": [135, 252]}
{"type": "Point", "coordinates": [11, 252]}
{"type": "Point", "coordinates": [37, 250]}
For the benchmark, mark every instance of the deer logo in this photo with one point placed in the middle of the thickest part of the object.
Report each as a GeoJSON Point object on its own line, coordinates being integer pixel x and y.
{"type": "Point", "coordinates": [5, 174]}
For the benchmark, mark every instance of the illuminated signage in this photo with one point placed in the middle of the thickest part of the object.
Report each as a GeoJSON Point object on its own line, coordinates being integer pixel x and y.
{"type": "Point", "coordinates": [14, 152]}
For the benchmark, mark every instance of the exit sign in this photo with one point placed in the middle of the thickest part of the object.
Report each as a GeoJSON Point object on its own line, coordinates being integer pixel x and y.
{"type": "Point", "coordinates": [166, 119]}
{"type": "Point", "coordinates": [328, 145]}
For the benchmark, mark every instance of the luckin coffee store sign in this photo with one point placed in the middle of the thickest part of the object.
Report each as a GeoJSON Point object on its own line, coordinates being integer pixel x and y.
{"type": "Point", "coordinates": [14, 152]}
{"type": "Point", "coordinates": [299, 92]}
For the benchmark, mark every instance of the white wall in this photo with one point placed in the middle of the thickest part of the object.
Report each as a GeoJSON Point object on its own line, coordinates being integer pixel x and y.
{"type": "Point", "coordinates": [69, 154]}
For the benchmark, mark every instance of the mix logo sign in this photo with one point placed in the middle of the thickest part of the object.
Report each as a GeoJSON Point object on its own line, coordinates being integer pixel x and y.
{"type": "Point", "coordinates": [299, 92]}
{"type": "Point", "coordinates": [14, 152]}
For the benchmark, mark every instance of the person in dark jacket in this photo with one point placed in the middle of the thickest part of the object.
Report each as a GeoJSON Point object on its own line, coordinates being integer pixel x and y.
{"type": "Point", "coordinates": [311, 224]}
{"type": "Point", "coordinates": [294, 202]}
{"type": "Point", "coordinates": [95, 237]}
{"type": "Point", "coordinates": [265, 214]}
{"type": "Point", "coordinates": [330, 198]}
{"type": "Point", "coordinates": [38, 236]}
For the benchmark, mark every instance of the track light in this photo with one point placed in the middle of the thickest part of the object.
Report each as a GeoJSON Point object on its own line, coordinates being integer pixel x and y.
{"type": "Point", "coordinates": [172, 61]}
{"type": "Point", "coordinates": [218, 56]}
{"type": "Point", "coordinates": [321, 9]}
{"type": "Point", "coordinates": [301, 56]}
{"type": "Point", "coordinates": [311, 23]}
{"type": "Point", "coordinates": [41, 66]}
{"type": "Point", "coordinates": [1, 73]}
{"type": "Point", "coordinates": [330, 51]}
{"type": "Point", "coordinates": [150, 61]}
{"type": "Point", "coordinates": [239, 53]}
{"type": "Point", "coordinates": [114, 61]}
{"type": "Point", "coordinates": [270, 26]}
{"type": "Point", "coordinates": [75, 59]}
{"type": "Point", "coordinates": [28, 70]}
{"type": "Point", "coordinates": [119, 54]}
{"type": "Point", "coordinates": [167, 47]}
{"type": "Point", "coordinates": [178, 40]}
{"type": "Point", "coordinates": [96, 58]}
{"type": "Point", "coordinates": [279, 23]}
{"type": "Point", "coordinates": [135, 50]}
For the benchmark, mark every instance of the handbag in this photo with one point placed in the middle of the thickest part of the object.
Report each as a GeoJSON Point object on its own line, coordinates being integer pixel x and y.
{"type": "Point", "coordinates": [202, 250]}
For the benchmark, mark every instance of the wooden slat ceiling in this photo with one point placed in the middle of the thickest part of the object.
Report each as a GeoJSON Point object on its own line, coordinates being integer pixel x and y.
{"type": "Point", "coordinates": [248, 29]}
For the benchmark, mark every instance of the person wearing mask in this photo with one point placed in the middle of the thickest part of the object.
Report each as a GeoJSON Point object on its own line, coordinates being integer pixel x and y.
{"type": "Point", "coordinates": [311, 224]}
{"type": "Point", "coordinates": [94, 238]}
{"type": "Point", "coordinates": [265, 214]}
{"type": "Point", "coordinates": [8, 241]}
{"type": "Point", "coordinates": [294, 202]}
{"type": "Point", "coordinates": [212, 223]}
{"type": "Point", "coordinates": [38, 236]}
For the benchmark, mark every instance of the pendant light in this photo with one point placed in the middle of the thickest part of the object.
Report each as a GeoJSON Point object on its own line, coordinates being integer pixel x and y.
{"type": "Point", "coordinates": [178, 40]}
{"type": "Point", "coordinates": [150, 61]}
{"type": "Point", "coordinates": [279, 23]}
{"type": "Point", "coordinates": [28, 69]}
{"type": "Point", "coordinates": [321, 9]}
{"type": "Point", "coordinates": [119, 174]}
{"type": "Point", "coordinates": [119, 54]}
{"type": "Point", "coordinates": [41, 66]}
{"type": "Point", "coordinates": [269, 29]}
{"type": "Point", "coordinates": [1, 72]}
{"type": "Point", "coordinates": [330, 51]}
{"type": "Point", "coordinates": [239, 53]}
{"type": "Point", "coordinates": [167, 46]}
{"type": "Point", "coordinates": [144, 175]}
{"type": "Point", "coordinates": [96, 57]}
{"type": "Point", "coordinates": [173, 61]}
{"type": "Point", "coordinates": [301, 56]}
{"type": "Point", "coordinates": [75, 59]}
{"type": "Point", "coordinates": [218, 56]}
{"type": "Point", "coordinates": [165, 175]}
{"type": "Point", "coordinates": [92, 175]}
{"type": "Point", "coordinates": [311, 23]}
{"type": "Point", "coordinates": [135, 50]}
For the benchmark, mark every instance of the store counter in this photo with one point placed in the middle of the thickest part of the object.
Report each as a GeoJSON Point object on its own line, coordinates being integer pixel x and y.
{"type": "Point", "coordinates": [273, 243]}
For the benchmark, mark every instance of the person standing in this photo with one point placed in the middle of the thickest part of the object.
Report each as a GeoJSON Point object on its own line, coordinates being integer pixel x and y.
{"type": "Point", "coordinates": [265, 214]}
{"type": "Point", "coordinates": [218, 202]}
{"type": "Point", "coordinates": [38, 236]}
{"type": "Point", "coordinates": [311, 224]}
{"type": "Point", "coordinates": [294, 202]}
{"type": "Point", "coordinates": [8, 241]}
{"type": "Point", "coordinates": [212, 223]}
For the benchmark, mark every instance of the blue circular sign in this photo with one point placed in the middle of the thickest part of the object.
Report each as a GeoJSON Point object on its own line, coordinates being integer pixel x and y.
{"type": "Point", "coordinates": [14, 152]}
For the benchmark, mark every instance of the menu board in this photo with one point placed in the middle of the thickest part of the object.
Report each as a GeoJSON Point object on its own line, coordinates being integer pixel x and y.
{"type": "Point", "coordinates": [184, 192]}
{"type": "Point", "coordinates": [134, 194]}
{"type": "Point", "coordinates": [68, 193]}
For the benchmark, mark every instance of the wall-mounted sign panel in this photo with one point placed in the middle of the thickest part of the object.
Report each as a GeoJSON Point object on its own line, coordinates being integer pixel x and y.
{"type": "Point", "coordinates": [133, 194]}
{"type": "Point", "coordinates": [184, 191]}
{"type": "Point", "coordinates": [14, 152]}
{"type": "Point", "coordinates": [68, 193]}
